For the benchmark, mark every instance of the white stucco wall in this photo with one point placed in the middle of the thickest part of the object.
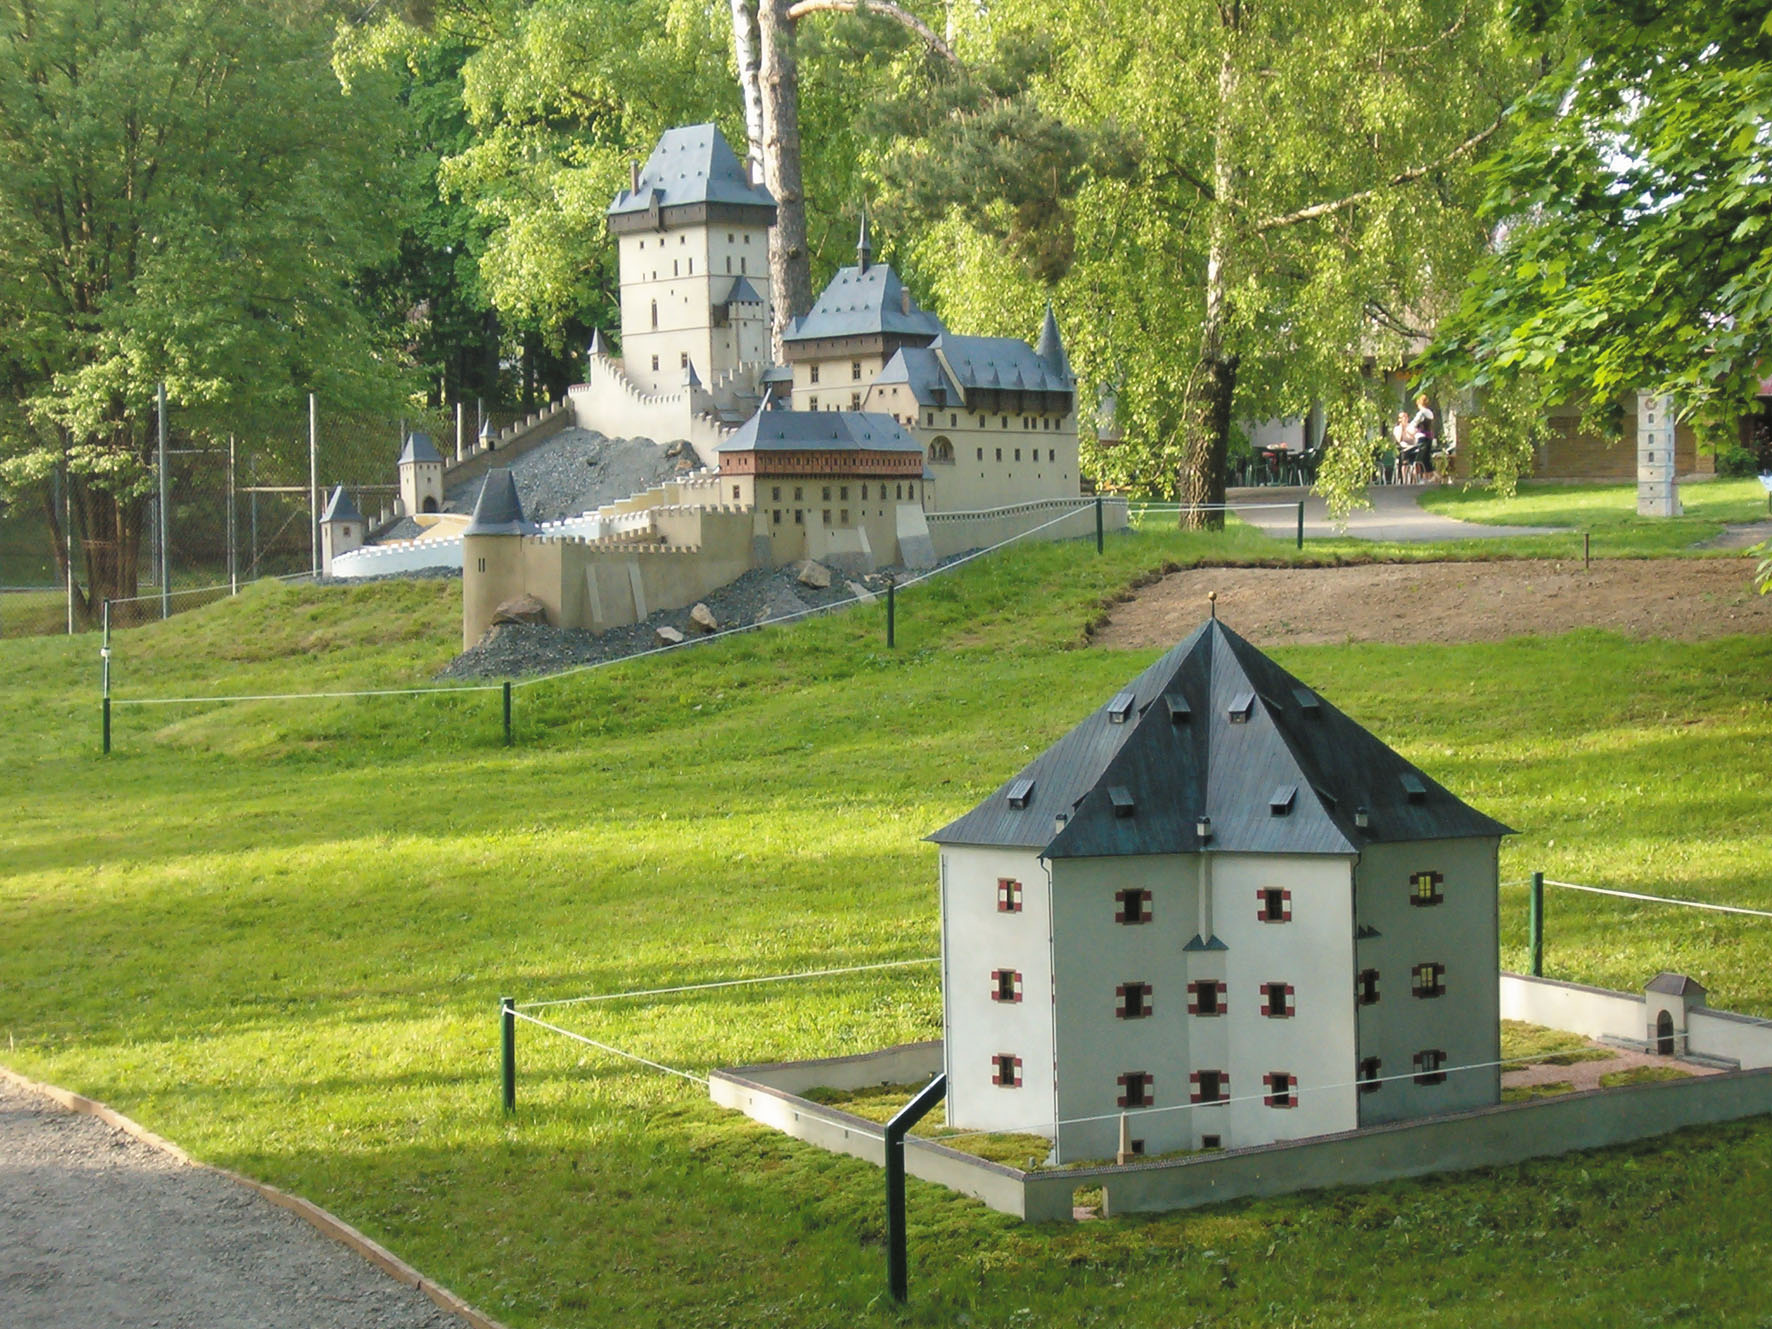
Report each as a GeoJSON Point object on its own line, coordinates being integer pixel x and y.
{"type": "Point", "coordinates": [681, 270]}
{"type": "Point", "coordinates": [975, 939]}
{"type": "Point", "coordinates": [1460, 933]}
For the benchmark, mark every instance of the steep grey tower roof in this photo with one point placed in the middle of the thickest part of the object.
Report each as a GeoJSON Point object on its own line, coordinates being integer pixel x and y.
{"type": "Point", "coordinates": [597, 345]}
{"type": "Point", "coordinates": [691, 168]}
{"type": "Point", "coordinates": [691, 379]}
{"type": "Point", "coordinates": [340, 508]}
{"type": "Point", "coordinates": [864, 248]}
{"type": "Point", "coordinates": [419, 448]}
{"type": "Point", "coordinates": [498, 511]}
{"type": "Point", "coordinates": [860, 303]}
{"type": "Point", "coordinates": [1216, 729]}
{"type": "Point", "coordinates": [826, 431]}
{"type": "Point", "coordinates": [1051, 347]}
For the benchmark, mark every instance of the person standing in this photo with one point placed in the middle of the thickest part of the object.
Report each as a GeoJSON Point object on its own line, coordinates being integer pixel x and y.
{"type": "Point", "coordinates": [1404, 434]}
{"type": "Point", "coordinates": [1423, 427]}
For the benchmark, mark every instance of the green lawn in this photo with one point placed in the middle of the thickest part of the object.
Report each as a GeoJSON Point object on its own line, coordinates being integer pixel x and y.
{"type": "Point", "coordinates": [277, 933]}
{"type": "Point", "coordinates": [1609, 513]}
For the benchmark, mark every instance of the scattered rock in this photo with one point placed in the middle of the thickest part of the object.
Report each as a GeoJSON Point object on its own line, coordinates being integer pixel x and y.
{"type": "Point", "coordinates": [861, 592]}
{"type": "Point", "coordinates": [813, 574]}
{"type": "Point", "coordinates": [703, 617]}
{"type": "Point", "coordinates": [665, 635]}
{"type": "Point", "coordinates": [522, 609]}
{"type": "Point", "coordinates": [784, 604]}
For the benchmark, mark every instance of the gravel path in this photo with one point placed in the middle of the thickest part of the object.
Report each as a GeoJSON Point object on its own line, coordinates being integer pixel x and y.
{"type": "Point", "coordinates": [98, 1230]}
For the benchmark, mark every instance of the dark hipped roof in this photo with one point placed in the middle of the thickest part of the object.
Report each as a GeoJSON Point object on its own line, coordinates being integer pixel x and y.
{"type": "Point", "coordinates": [861, 303]}
{"type": "Point", "coordinates": [498, 511]}
{"type": "Point", "coordinates": [418, 448]}
{"type": "Point", "coordinates": [808, 431]}
{"type": "Point", "coordinates": [918, 367]}
{"type": "Point", "coordinates": [1676, 985]}
{"type": "Point", "coordinates": [1007, 364]}
{"type": "Point", "coordinates": [340, 508]}
{"type": "Point", "coordinates": [1207, 765]}
{"type": "Point", "coordinates": [691, 164]}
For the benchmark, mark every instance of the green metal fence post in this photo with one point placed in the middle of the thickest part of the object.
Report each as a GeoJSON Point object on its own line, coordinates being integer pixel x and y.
{"type": "Point", "coordinates": [1301, 523]}
{"type": "Point", "coordinates": [104, 657]}
{"type": "Point", "coordinates": [897, 1260]}
{"type": "Point", "coordinates": [1535, 925]}
{"type": "Point", "coordinates": [1098, 543]}
{"type": "Point", "coordinates": [106, 703]}
{"type": "Point", "coordinates": [507, 691]}
{"type": "Point", "coordinates": [1587, 550]}
{"type": "Point", "coordinates": [891, 614]}
{"type": "Point", "coordinates": [507, 1025]}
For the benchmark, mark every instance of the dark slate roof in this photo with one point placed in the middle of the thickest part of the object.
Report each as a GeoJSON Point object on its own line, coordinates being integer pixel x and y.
{"type": "Point", "coordinates": [740, 293]}
{"type": "Point", "coordinates": [918, 367]}
{"type": "Point", "coordinates": [1051, 348]}
{"type": "Point", "coordinates": [691, 164]}
{"type": "Point", "coordinates": [418, 448]}
{"type": "Point", "coordinates": [340, 508]}
{"type": "Point", "coordinates": [498, 511]}
{"type": "Point", "coordinates": [1676, 985]}
{"type": "Point", "coordinates": [802, 431]}
{"type": "Point", "coordinates": [1005, 363]}
{"type": "Point", "coordinates": [1209, 766]}
{"type": "Point", "coordinates": [862, 304]}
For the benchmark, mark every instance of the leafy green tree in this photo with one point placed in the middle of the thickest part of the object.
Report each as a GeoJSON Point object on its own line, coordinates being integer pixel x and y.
{"type": "Point", "coordinates": [190, 198]}
{"type": "Point", "coordinates": [1633, 212]}
{"type": "Point", "coordinates": [1274, 200]}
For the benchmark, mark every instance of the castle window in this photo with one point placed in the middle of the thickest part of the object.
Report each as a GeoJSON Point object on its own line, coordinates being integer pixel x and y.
{"type": "Point", "coordinates": [1005, 423]}
{"type": "Point", "coordinates": [674, 271]}
{"type": "Point", "coordinates": [843, 493]}
{"type": "Point", "coordinates": [981, 422]}
{"type": "Point", "coordinates": [729, 265]}
{"type": "Point", "coordinates": [797, 494]}
{"type": "Point", "coordinates": [855, 401]}
{"type": "Point", "coordinates": [812, 403]}
{"type": "Point", "coordinates": [855, 371]}
{"type": "Point", "coordinates": [799, 517]}
{"type": "Point", "coordinates": [1137, 1089]}
{"type": "Point", "coordinates": [1018, 454]}
{"type": "Point", "coordinates": [1424, 888]}
{"type": "Point", "coordinates": [1132, 906]}
{"type": "Point", "coordinates": [1273, 904]}
{"type": "Point", "coordinates": [655, 319]}
{"type": "Point", "coordinates": [775, 492]}
{"type": "Point", "coordinates": [898, 491]}
{"type": "Point", "coordinates": [735, 493]}
{"type": "Point", "coordinates": [1208, 1087]}
{"type": "Point", "coordinates": [1006, 985]}
{"type": "Point", "coordinates": [1277, 1002]}
{"type": "Point", "coordinates": [691, 267]}
{"type": "Point", "coordinates": [1206, 996]}
{"type": "Point", "coordinates": [1281, 1090]}
{"type": "Point", "coordinates": [776, 516]}
{"type": "Point", "coordinates": [1051, 454]}
{"type": "Point", "coordinates": [744, 264]}
{"type": "Point", "coordinates": [1428, 980]}
{"type": "Point", "coordinates": [655, 364]}
{"type": "Point", "coordinates": [825, 516]}
{"type": "Point", "coordinates": [1427, 1066]}
{"type": "Point", "coordinates": [1368, 1075]}
{"type": "Point", "coordinates": [682, 359]}
{"type": "Point", "coordinates": [1008, 895]}
{"type": "Point", "coordinates": [843, 517]}
{"type": "Point", "coordinates": [981, 454]}
{"type": "Point", "coordinates": [953, 420]}
{"type": "Point", "coordinates": [1133, 1001]}
{"type": "Point", "coordinates": [1006, 1070]}
{"type": "Point", "coordinates": [999, 454]}
{"type": "Point", "coordinates": [864, 493]}
{"type": "Point", "coordinates": [1366, 989]}
{"type": "Point", "coordinates": [482, 565]}
{"type": "Point", "coordinates": [813, 372]}
{"type": "Point", "coordinates": [941, 449]}
{"type": "Point", "coordinates": [827, 494]}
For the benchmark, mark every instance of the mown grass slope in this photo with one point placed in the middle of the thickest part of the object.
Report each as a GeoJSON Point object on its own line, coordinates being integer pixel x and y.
{"type": "Point", "coordinates": [277, 933]}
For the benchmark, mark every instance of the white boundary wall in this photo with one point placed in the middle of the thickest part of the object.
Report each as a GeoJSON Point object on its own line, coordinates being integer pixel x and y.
{"type": "Point", "coordinates": [1481, 1137]}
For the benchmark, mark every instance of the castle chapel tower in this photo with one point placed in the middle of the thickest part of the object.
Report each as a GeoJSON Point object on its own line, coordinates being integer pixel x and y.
{"type": "Point", "coordinates": [693, 237]}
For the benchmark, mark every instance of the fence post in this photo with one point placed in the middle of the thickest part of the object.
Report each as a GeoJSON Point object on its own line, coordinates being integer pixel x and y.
{"type": "Point", "coordinates": [161, 518]}
{"type": "Point", "coordinates": [1535, 925]}
{"type": "Point", "coordinates": [1301, 523]}
{"type": "Point", "coordinates": [507, 691]}
{"type": "Point", "coordinates": [891, 612]}
{"type": "Point", "coordinates": [507, 1027]}
{"type": "Point", "coordinates": [897, 1259]}
{"type": "Point", "coordinates": [1587, 550]}
{"type": "Point", "coordinates": [106, 704]}
{"type": "Point", "coordinates": [1098, 545]}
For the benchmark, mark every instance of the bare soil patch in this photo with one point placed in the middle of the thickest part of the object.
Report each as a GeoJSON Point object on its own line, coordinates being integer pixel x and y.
{"type": "Point", "coordinates": [1682, 599]}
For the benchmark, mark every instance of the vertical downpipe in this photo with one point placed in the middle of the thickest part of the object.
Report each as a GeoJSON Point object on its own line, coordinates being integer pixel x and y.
{"type": "Point", "coordinates": [1535, 925]}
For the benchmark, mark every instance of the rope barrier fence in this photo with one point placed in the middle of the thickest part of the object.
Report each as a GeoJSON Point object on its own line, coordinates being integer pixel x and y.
{"type": "Point", "coordinates": [1535, 923]}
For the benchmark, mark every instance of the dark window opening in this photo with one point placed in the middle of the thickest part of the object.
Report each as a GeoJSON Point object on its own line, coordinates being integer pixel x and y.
{"type": "Point", "coordinates": [1369, 1080]}
{"type": "Point", "coordinates": [1274, 904]}
{"type": "Point", "coordinates": [1008, 895]}
{"type": "Point", "coordinates": [1428, 980]}
{"type": "Point", "coordinates": [1280, 1087]}
{"type": "Point", "coordinates": [1132, 906]}
{"type": "Point", "coordinates": [1366, 991]}
{"type": "Point", "coordinates": [1134, 1001]}
{"type": "Point", "coordinates": [1206, 996]}
{"type": "Point", "coordinates": [1136, 1089]}
{"type": "Point", "coordinates": [1209, 1087]}
{"type": "Point", "coordinates": [1427, 1066]}
{"type": "Point", "coordinates": [1276, 1001]}
{"type": "Point", "coordinates": [1006, 985]}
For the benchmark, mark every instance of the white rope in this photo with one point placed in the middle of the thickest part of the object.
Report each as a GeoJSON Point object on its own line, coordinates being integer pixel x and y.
{"type": "Point", "coordinates": [724, 983]}
{"type": "Point", "coordinates": [1660, 899]}
{"type": "Point", "coordinates": [297, 696]}
{"type": "Point", "coordinates": [614, 1051]}
{"type": "Point", "coordinates": [1209, 507]}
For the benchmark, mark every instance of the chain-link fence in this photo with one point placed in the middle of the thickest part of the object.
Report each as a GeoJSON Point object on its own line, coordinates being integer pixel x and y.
{"type": "Point", "coordinates": [236, 509]}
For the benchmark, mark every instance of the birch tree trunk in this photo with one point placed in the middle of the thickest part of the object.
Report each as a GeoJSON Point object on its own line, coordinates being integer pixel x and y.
{"type": "Point", "coordinates": [790, 264]}
{"type": "Point", "coordinates": [750, 88]}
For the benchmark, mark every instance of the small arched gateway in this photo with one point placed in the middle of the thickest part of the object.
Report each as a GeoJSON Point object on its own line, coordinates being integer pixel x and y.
{"type": "Point", "coordinates": [941, 449]}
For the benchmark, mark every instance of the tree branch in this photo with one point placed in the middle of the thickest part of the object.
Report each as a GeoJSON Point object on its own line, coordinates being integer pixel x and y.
{"type": "Point", "coordinates": [903, 17]}
{"type": "Point", "coordinates": [1414, 173]}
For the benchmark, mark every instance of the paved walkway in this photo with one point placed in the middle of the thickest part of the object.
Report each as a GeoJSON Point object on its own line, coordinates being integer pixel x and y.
{"type": "Point", "coordinates": [1395, 515]}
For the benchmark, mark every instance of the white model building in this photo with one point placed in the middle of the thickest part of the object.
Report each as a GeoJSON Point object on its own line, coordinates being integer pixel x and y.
{"type": "Point", "coordinates": [1221, 908]}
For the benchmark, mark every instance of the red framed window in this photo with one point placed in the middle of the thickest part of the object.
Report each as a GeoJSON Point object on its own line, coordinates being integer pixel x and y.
{"type": "Point", "coordinates": [1427, 1066]}
{"type": "Point", "coordinates": [1278, 1001]}
{"type": "Point", "coordinates": [1427, 980]}
{"type": "Point", "coordinates": [1006, 1070]}
{"type": "Point", "coordinates": [1208, 1087]}
{"type": "Point", "coordinates": [1137, 1089]}
{"type": "Point", "coordinates": [1282, 1090]}
{"type": "Point", "coordinates": [1008, 895]}
{"type": "Point", "coordinates": [1366, 988]}
{"type": "Point", "coordinates": [1005, 985]}
{"type": "Point", "coordinates": [1369, 1079]}
{"type": "Point", "coordinates": [1132, 906]}
{"type": "Point", "coordinates": [1206, 996]}
{"type": "Point", "coordinates": [1133, 1001]}
{"type": "Point", "coordinates": [1273, 904]}
{"type": "Point", "coordinates": [1424, 888]}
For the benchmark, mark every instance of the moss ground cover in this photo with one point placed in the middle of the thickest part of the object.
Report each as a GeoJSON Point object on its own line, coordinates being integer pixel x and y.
{"type": "Point", "coordinates": [277, 933]}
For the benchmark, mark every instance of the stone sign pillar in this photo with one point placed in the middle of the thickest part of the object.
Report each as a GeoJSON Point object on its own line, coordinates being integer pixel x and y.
{"type": "Point", "coordinates": [1658, 493]}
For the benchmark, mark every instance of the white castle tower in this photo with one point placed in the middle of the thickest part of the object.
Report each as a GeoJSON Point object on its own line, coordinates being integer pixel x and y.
{"type": "Point", "coordinates": [693, 237]}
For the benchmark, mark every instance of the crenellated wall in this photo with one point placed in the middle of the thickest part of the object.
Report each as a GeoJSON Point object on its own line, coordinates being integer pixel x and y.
{"type": "Point", "coordinates": [954, 532]}
{"type": "Point", "coordinates": [613, 404]}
